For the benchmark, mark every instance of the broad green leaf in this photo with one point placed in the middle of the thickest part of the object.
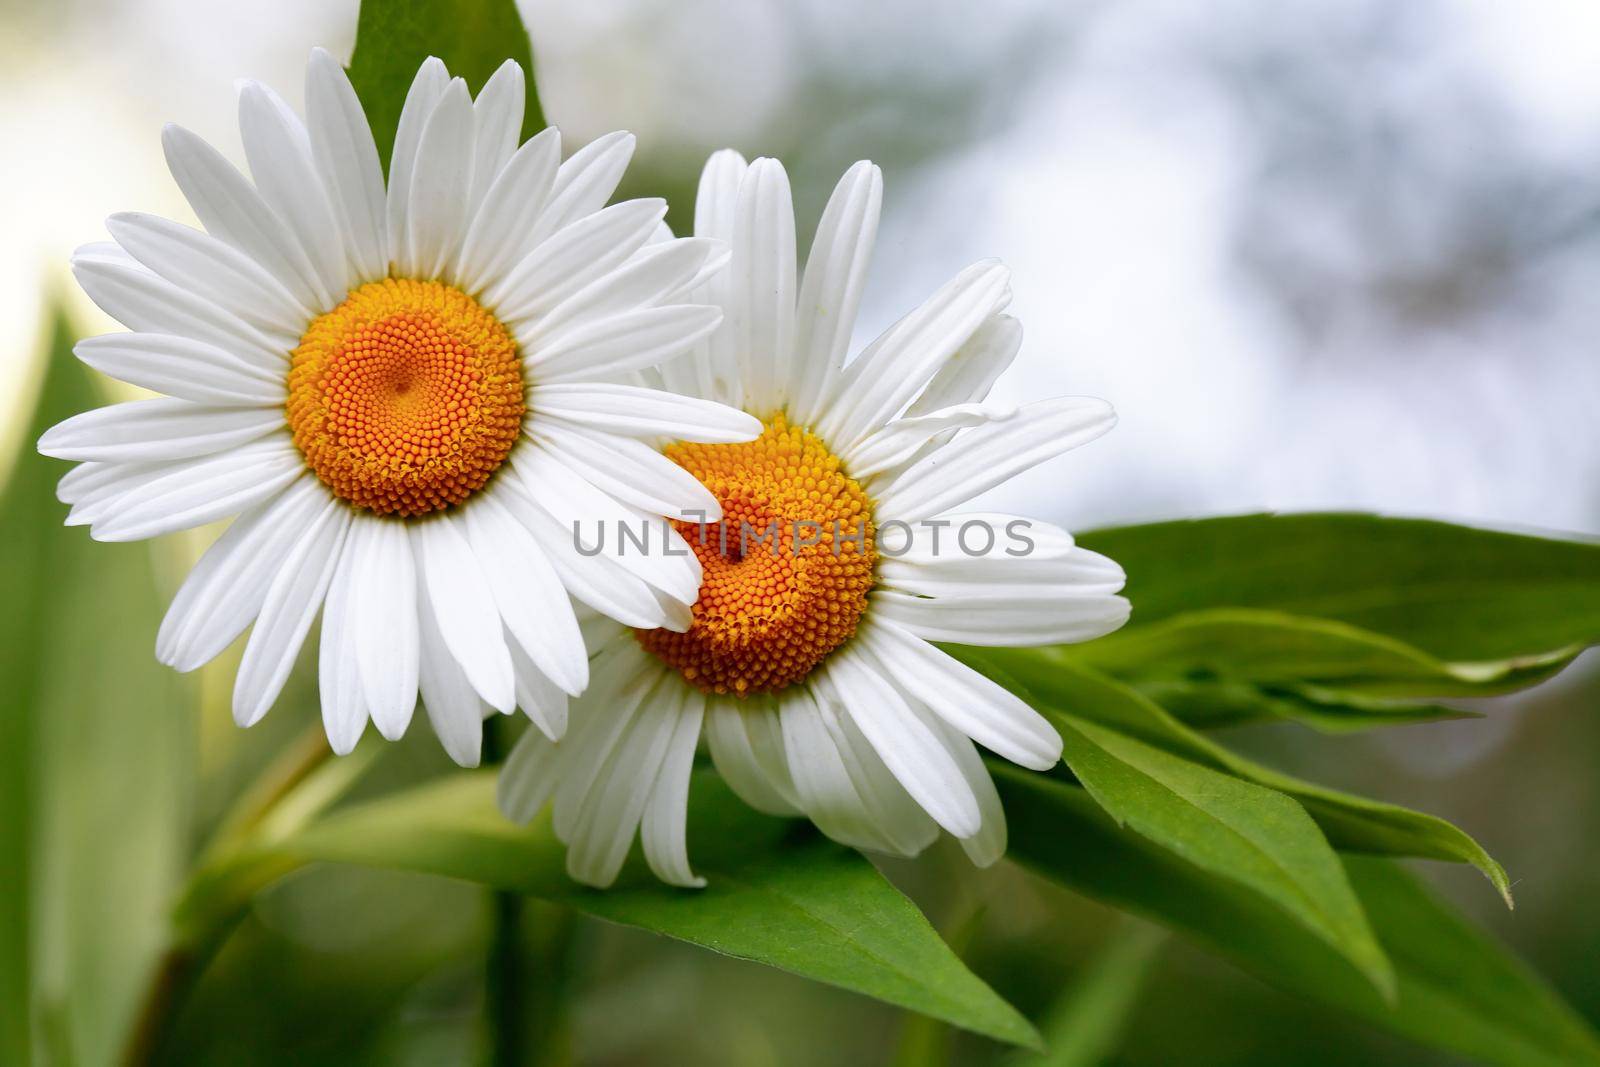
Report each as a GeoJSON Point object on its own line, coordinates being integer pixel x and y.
{"type": "Point", "coordinates": [1209, 703]}
{"type": "Point", "coordinates": [1275, 649]}
{"type": "Point", "coordinates": [1459, 594]}
{"type": "Point", "coordinates": [1456, 989]}
{"type": "Point", "coordinates": [1087, 1022]}
{"type": "Point", "coordinates": [1351, 823]}
{"type": "Point", "coordinates": [1234, 829]}
{"type": "Point", "coordinates": [778, 893]}
{"type": "Point", "coordinates": [473, 37]}
{"type": "Point", "coordinates": [93, 769]}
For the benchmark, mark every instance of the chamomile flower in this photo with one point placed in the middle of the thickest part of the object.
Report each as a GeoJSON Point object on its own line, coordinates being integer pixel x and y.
{"type": "Point", "coordinates": [809, 664]}
{"type": "Point", "coordinates": [398, 392]}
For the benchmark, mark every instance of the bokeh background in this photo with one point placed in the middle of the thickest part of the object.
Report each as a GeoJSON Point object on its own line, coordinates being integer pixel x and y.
{"type": "Point", "coordinates": [1329, 254]}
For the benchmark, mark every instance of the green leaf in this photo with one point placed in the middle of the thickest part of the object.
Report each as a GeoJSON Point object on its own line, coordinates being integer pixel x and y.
{"type": "Point", "coordinates": [1462, 595]}
{"type": "Point", "coordinates": [1270, 648]}
{"type": "Point", "coordinates": [778, 893]}
{"type": "Point", "coordinates": [1209, 703]}
{"type": "Point", "coordinates": [1456, 989]}
{"type": "Point", "coordinates": [1350, 822]}
{"type": "Point", "coordinates": [93, 768]}
{"type": "Point", "coordinates": [1087, 1022]}
{"type": "Point", "coordinates": [473, 37]}
{"type": "Point", "coordinates": [1235, 829]}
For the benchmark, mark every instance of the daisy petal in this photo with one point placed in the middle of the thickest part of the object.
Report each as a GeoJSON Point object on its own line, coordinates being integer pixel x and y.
{"type": "Point", "coordinates": [746, 742]}
{"type": "Point", "coordinates": [970, 702]}
{"type": "Point", "coordinates": [464, 607]}
{"type": "Point", "coordinates": [585, 182]}
{"type": "Point", "coordinates": [621, 343]}
{"type": "Point", "coordinates": [716, 206]}
{"type": "Point", "coordinates": [148, 430]}
{"type": "Point", "coordinates": [455, 710]}
{"type": "Point", "coordinates": [637, 412]}
{"type": "Point", "coordinates": [575, 256]}
{"type": "Point", "coordinates": [200, 264]}
{"type": "Point", "coordinates": [830, 292]}
{"type": "Point", "coordinates": [647, 280]}
{"type": "Point", "coordinates": [541, 700]}
{"type": "Point", "coordinates": [181, 368]}
{"type": "Point", "coordinates": [1002, 618]}
{"type": "Point", "coordinates": [344, 709]}
{"type": "Point", "coordinates": [912, 752]}
{"type": "Point", "coordinates": [287, 611]}
{"type": "Point", "coordinates": [347, 159]}
{"type": "Point", "coordinates": [225, 590]}
{"type": "Point", "coordinates": [528, 777]}
{"type": "Point", "coordinates": [436, 213]}
{"type": "Point", "coordinates": [821, 780]}
{"type": "Point", "coordinates": [497, 127]}
{"type": "Point", "coordinates": [199, 491]}
{"type": "Point", "coordinates": [279, 152]}
{"type": "Point", "coordinates": [231, 210]}
{"type": "Point", "coordinates": [984, 457]}
{"type": "Point", "coordinates": [427, 89]}
{"type": "Point", "coordinates": [497, 238]}
{"type": "Point", "coordinates": [763, 290]}
{"type": "Point", "coordinates": [664, 827]}
{"type": "Point", "coordinates": [384, 609]}
{"type": "Point", "coordinates": [969, 374]}
{"type": "Point", "coordinates": [629, 470]}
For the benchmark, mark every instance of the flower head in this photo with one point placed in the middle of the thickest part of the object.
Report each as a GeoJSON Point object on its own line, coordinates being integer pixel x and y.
{"type": "Point", "coordinates": [836, 559]}
{"type": "Point", "coordinates": [401, 394]}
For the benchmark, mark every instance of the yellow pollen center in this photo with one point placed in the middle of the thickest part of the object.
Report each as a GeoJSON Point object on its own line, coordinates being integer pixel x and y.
{"type": "Point", "coordinates": [786, 571]}
{"type": "Point", "coordinates": [405, 398]}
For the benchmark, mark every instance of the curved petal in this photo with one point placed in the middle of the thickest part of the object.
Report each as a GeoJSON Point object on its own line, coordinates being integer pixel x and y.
{"type": "Point", "coordinates": [344, 709]}
{"type": "Point", "coordinates": [188, 370]}
{"type": "Point", "coordinates": [746, 742]}
{"type": "Point", "coordinates": [141, 431]}
{"type": "Point", "coordinates": [629, 470]}
{"type": "Point", "coordinates": [638, 412]}
{"type": "Point", "coordinates": [436, 213]}
{"type": "Point", "coordinates": [347, 159]}
{"type": "Point", "coordinates": [427, 89]}
{"type": "Point", "coordinates": [464, 608]}
{"type": "Point", "coordinates": [497, 127]}
{"type": "Point", "coordinates": [196, 492]}
{"type": "Point", "coordinates": [1004, 618]}
{"type": "Point", "coordinates": [385, 612]}
{"type": "Point", "coordinates": [663, 830]}
{"type": "Point", "coordinates": [585, 182]}
{"type": "Point", "coordinates": [573, 257]}
{"type": "Point", "coordinates": [455, 710]}
{"type": "Point", "coordinates": [763, 285]}
{"type": "Point", "coordinates": [497, 237]}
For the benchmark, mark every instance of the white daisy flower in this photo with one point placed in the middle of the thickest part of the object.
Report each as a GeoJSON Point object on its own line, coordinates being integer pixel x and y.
{"type": "Point", "coordinates": [396, 392]}
{"type": "Point", "coordinates": [809, 664]}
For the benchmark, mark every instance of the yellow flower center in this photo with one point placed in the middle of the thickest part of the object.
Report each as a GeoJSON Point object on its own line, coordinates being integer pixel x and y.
{"type": "Point", "coordinates": [405, 398]}
{"type": "Point", "coordinates": [787, 570]}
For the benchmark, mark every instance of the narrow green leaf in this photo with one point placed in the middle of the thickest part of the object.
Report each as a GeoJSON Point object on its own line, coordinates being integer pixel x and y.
{"type": "Point", "coordinates": [1276, 649]}
{"type": "Point", "coordinates": [778, 894]}
{"type": "Point", "coordinates": [93, 768]}
{"type": "Point", "coordinates": [1210, 703]}
{"type": "Point", "coordinates": [1456, 989]}
{"type": "Point", "coordinates": [1460, 594]}
{"type": "Point", "coordinates": [1235, 829]}
{"type": "Point", "coordinates": [1352, 823]}
{"type": "Point", "coordinates": [473, 37]}
{"type": "Point", "coordinates": [1087, 1022]}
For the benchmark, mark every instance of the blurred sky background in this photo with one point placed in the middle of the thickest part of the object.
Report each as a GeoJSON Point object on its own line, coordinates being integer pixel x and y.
{"type": "Point", "coordinates": [1328, 254]}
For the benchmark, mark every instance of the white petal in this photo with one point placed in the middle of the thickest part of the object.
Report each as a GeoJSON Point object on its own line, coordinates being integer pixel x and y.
{"type": "Point", "coordinates": [455, 710]}
{"type": "Point", "coordinates": [746, 742]}
{"type": "Point", "coordinates": [189, 370]}
{"type": "Point", "coordinates": [279, 152]}
{"type": "Point", "coordinates": [973, 704]}
{"type": "Point", "coordinates": [497, 126]}
{"type": "Point", "coordinates": [663, 830]}
{"type": "Point", "coordinates": [385, 611]}
{"type": "Point", "coordinates": [1002, 619]}
{"type": "Point", "coordinates": [573, 257]}
{"type": "Point", "coordinates": [597, 580]}
{"type": "Point", "coordinates": [904, 440]}
{"type": "Point", "coordinates": [540, 699]}
{"type": "Point", "coordinates": [436, 217]}
{"type": "Point", "coordinates": [231, 210]}
{"type": "Point", "coordinates": [1032, 572]}
{"type": "Point", "coordinates": [497, 238]}
{"type": "Point", "coordinates": [637, 412]}
{"type": "Point", "coordinates": [645, 280]}
{"type": "Point", "coordinates": [201, 264]}
{"type": "Point", "coordinates": [138, 431]}
{"type": "Point", "coordinates": [600, 723]}
{"type": "Point", "coordinates": [224, 591]}
{"type": "Point", "coordinates": [763, 284]}
{"type": "Point", "coordinates": [347, 159]}
{"type": "Point", "coordinates": [716, 207]}
{"type": "Point", "coordinates": [585, 182]}
{"type": "Point", "coordinates": [199, 491]}
{"type": "Point", "coordinates": [821, 780]}
{"type": "Point", "coordinates": [830, 292]}
{"type": "Point", "coordinates": [622, 343]}
{"type": "Point", "coordinates": [344, 709]}
{"type": "Point", "coordinates": [143, 301]}
{"type": "Point", "coordinates": [528, 777]}
{"type": "Point", "coordinates": [629, 470]}
{"type": "Point", "coordinates": [911, 751]}
{"type": "Point", "coordinates": [983, 457]}
{"type": "Point", "coordinates": [464, 606]}
{"type": "Point", "coordinates": [975, 367]}
{"type": "Point", "coordinates": [879, 383]}
{"type": "Point", "coordinates": [600, 841]}
{"type": "Point", "coordinates": [533, 603]}
{"type": "Point", "coordinates": [286, 613]}
{"type": "Point", "coordinates": [427, 88]}
{"type": "Point", "coordinates": [585, 513]}
{"type": "Point", "coordinates": [987, 845]}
